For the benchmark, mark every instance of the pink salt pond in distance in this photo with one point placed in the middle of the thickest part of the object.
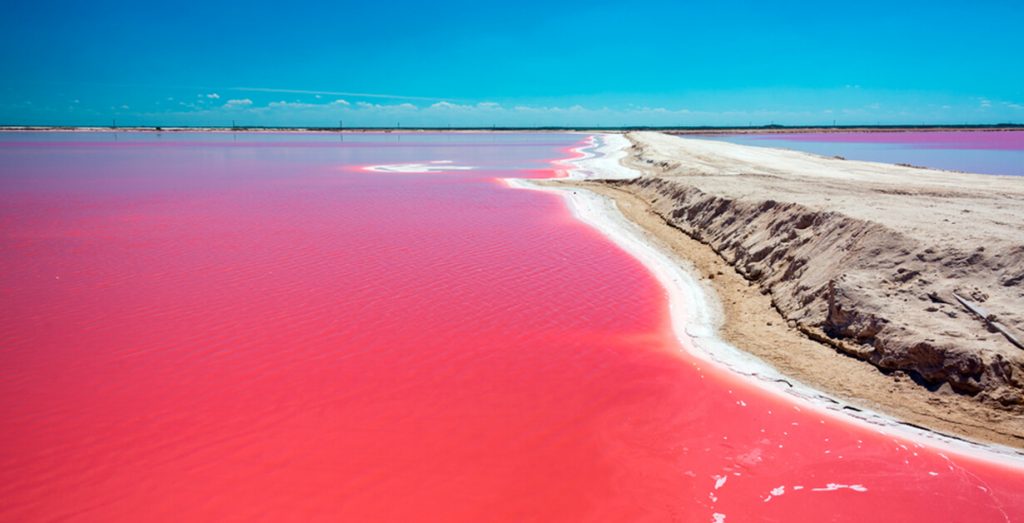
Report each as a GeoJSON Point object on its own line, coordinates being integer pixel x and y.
{"type": "Point", "coordinates": [985, 152]}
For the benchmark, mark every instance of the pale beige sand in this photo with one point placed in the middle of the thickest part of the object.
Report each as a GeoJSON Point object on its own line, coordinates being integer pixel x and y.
{"type": "Point", "coordinates": [860, 256]}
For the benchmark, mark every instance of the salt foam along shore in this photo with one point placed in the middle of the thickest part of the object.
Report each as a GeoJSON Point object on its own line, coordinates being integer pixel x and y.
{"type": "Point", "coordinates": [695, 311]}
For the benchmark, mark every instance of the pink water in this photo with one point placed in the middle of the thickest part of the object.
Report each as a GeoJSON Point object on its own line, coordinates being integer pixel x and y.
{"type": "Point", "coordinates": [217, 328]}
{"type": "Point", "coordinates": [986, 152]}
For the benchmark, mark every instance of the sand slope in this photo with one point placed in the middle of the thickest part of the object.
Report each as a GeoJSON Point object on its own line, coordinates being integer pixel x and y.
{"type": "Point", "coordinates": [863, 256]}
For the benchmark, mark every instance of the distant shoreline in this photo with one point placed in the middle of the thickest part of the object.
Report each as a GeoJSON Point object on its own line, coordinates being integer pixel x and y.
{"type": "Point", "coordinates": [704, 130]}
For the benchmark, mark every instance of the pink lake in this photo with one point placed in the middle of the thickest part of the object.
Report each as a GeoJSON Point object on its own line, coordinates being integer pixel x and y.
{"type": "Point", "coordinates": [986, 152]}
{"type": "Point", "coordinates": [245, 327]}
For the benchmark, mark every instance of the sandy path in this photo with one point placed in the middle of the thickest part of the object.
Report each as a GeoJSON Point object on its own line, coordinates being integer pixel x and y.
{"type": "Point", "coordinates": [859, 255]}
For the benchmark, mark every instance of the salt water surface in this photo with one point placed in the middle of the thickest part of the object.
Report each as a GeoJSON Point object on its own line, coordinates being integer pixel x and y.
{"type": "Point", "coordinates": [986, 152]}
{"type": "Point", "coordinates": [305, 327]}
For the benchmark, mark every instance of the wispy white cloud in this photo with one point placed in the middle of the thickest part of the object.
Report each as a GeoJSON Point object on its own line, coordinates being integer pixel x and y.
{"type": "Point", "coordinates": [336, 93]}
{"type": "Point", "coordinates": [301, 109]}
{"type": "Point", "coordinates": [386, 107]}
{"type": "Point", "coordinates": [449, 106]}
{"type": "Point", "coordinates": [211, 96]}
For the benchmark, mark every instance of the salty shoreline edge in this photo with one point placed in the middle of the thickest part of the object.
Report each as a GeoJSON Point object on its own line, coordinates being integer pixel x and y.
{"type": "Point", "coordinates": [698, 328]}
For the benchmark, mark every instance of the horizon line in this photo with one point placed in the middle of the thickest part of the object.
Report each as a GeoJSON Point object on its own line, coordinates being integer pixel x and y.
{"type": "Point", "coordinates": [773, 126]}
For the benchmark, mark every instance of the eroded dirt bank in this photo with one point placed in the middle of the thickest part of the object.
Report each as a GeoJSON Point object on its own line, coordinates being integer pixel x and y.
{"type": "Point", "coordinates": [863, 257]}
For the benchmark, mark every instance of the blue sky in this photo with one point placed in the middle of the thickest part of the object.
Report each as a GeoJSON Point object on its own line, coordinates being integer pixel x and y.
{"type": "Point", "coordinates": [516, 63]}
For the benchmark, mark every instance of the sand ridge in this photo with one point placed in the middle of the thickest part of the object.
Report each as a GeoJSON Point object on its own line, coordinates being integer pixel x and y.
{"type": "Point", "coordinates": [755, 320]}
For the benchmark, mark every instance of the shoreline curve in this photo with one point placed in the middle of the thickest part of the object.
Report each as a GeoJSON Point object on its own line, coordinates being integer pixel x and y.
{"type": "Point", "coordinates": [697, 314]}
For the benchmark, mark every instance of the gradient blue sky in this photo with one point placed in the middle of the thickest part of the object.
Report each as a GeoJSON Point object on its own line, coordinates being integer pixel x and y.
{"type": "Point", "coordinates": [528, 62]}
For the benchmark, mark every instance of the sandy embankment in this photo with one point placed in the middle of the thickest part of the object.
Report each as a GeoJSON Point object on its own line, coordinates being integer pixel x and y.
{"type": "Point", "coordinates": [862, 257]}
